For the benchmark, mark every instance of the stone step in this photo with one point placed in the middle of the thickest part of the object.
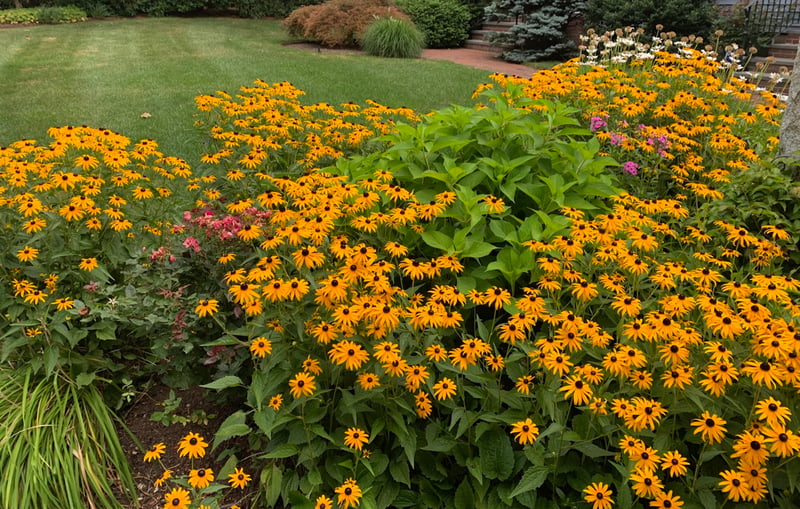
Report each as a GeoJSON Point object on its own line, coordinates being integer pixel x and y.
{"type": "Point", "coordinates": [782, 50]}
{"type": "Point", "coordinates": [792, 37]}
{"type": "Point", "coordinates": [483, 46]}
{"type": "Point", "coordinates": [497, 26]}
{"type": "Point", "coordinates": [773, 67]}
{"type": "Point", "coordinates": [482, 35]}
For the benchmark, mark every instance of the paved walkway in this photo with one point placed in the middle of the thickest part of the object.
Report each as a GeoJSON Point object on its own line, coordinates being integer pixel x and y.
{"type": "Point", "coordinates": [464, 56]}
{"type": "Point", "coordinates": [479, 59]}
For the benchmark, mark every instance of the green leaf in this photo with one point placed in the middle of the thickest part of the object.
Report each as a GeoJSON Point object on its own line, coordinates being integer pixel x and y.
{"type": "Point", "coordinates": [476, 249]}
{"type": "Point", "coordinates": [497, 455]}
{"type": "Point", "coordinates": [708, 499]}
{"type": "Point", "coordinates": [223, 341]}
{"type": "Point", "coordinates": [233, 426]}
{"type": "Point", "coordinates": [224, 383]}
{"type": "Point", "coordinates": [50, 359]}
{"type": "Point", "coordinates": [533, 478]}
{"type": "Point", "coordinates": [591, 450]}
{"type": "Point", "coordinates": [85, 379]}
{"type": "Point", "coordinates": [464, 498]}
{"type": "Point", "coordinates": [400, 471]}
{"type": "Point", "coordinates": [282, 451]}
{"type": "Point", "coordinates": [438, 240]}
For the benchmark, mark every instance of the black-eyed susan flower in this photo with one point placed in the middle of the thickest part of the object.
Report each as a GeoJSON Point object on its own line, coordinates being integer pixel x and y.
{"type": "Point", "coordinates": [710, 427]}
{"type": "Point", "coordinates": [88, 264]}
{"type": "Point", "coordinates": [206, 307]}
{"type": "Point", "coordinates": [734, 484]}
{"type": "Point", "coordinates": [275, 402]}
{"type": "Point", "coordinates": [323, 502]}
{"type": "Point", "coordinates": [646, 459]}
{"type": "Point", "coordinates": [436, 353]}
{"type": "Point", "coordinates": [27, 254]}
{"type": "Point", "coordinates": [445, 388]}
{"type": "Point", "coordinates": [667, 500]}
{"type": "Point", "coordinates": [226, 258]}
{"type": "Point", "coordinates": [496, 297]}
{"type": "Point", "coordinates": [167, 474]}
{"type": "Point", "coordinates": [192, 445]}
{"type": "Point", "coordinates": [646, 483]}
{"type": "Point", "coordinates": [200, 478]}
{"type": "Point", "coordinates": [524, 384]}
{"type": "Point", "coordinates": [238, 479]}
{"type": "Point", "coordinates": [261, 347]}
{"type": "Point", "coordinates": [355, 438]}
{"type": "Point", "coordinates": [177, 498]}
{"type": "Point", "coordinates": [781, 441]}
{"type": "Point", "coordinates": [35, 296]}
{"type": "Point", "coordinates": [599, 495]}
{"type": "Point", "coordinates": [416, 376]}
{"type": "Point", "coordinates": [302, 384]}
{"type": "Point", "coordinates": [525, 432]}
{"type": "Point", "coordinates": [155, 452]}
{"type": "Point", "coordinates": [63, 304]}
{"type": "Point", "coordinates": [773, 412]}
{"type": "Point", "coordinates": [674, 463]}
{"type": "Point", "coordinates": [750, 447]}
{"type": "Point", "coordinates": [763, 373]}
{"type": "Point", "coordinates": [368, 381]}
{"type": "Point", "coordinates": [349, 494]}
{"type": "Point", "coordinates": [349, 353]}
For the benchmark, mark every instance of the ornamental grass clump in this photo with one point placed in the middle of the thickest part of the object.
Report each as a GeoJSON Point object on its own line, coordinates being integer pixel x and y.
{"type": "Point", "coordinates": [59, 446]}
{"type": "Point", "coordinates": [392, 38]}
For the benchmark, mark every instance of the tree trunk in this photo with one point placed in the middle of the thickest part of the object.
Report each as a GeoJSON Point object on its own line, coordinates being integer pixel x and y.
{"type": "Point", "coordinates": [790, 127]}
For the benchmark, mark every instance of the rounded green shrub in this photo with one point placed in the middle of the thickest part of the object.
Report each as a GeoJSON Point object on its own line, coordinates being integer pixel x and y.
{"type": "Point", "coordinates": [682, 16]}
{"type": "Point", "coordinates": [445, 23]}
{"type": "Point", "coordinates": [393, 38]}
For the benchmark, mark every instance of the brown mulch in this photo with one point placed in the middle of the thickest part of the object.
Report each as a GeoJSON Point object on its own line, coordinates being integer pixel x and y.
{"type": "Point", "coordinates": [137, 419]}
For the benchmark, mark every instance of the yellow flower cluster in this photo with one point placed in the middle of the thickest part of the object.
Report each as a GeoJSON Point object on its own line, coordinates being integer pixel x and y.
{"type": "Point", "coordinates": [266, 127]}
{"type": "Point", "coordinates": [680, 116]}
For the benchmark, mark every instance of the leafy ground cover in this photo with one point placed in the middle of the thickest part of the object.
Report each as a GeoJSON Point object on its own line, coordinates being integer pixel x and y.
{"type": "Point", "coordinates": [534, 301]}
{"type": "Point", "coordinates": [111, 73]}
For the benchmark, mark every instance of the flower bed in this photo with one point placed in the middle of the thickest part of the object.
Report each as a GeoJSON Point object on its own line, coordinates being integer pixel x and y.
{"type": "Point", "coordinates": [531, 302]}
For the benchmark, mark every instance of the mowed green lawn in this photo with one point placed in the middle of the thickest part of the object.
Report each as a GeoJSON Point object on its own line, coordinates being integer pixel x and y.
{"type": "Point", "coordinates": [109, 73]}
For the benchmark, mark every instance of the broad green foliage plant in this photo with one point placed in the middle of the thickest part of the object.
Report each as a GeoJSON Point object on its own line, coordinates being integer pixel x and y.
{"type": "Point", "coordinates": [523, 160]}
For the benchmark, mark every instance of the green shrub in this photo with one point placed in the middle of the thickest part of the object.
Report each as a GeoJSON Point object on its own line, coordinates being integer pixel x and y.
{"type": "Point", "coordinates": [476, 10]}
{"type": "Point", "coordinates": [540, 31]}
{"type": "Point", "coordinates": [66, 14]}
{"type": "Point", "coordinates": [269, 8]}
{"type": "Point", "coordinates": [339, 23]}
{"type": "Point", "coordinates": [19, 16]}
{"type": "Point", "coordinates": [685, 17]}
{"type": "Point", "coordinates": [445, 23]}
{"type": "Point", "coordinates": [164, 7]}
{"type": "Point", "coordinates": [393, 38]}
